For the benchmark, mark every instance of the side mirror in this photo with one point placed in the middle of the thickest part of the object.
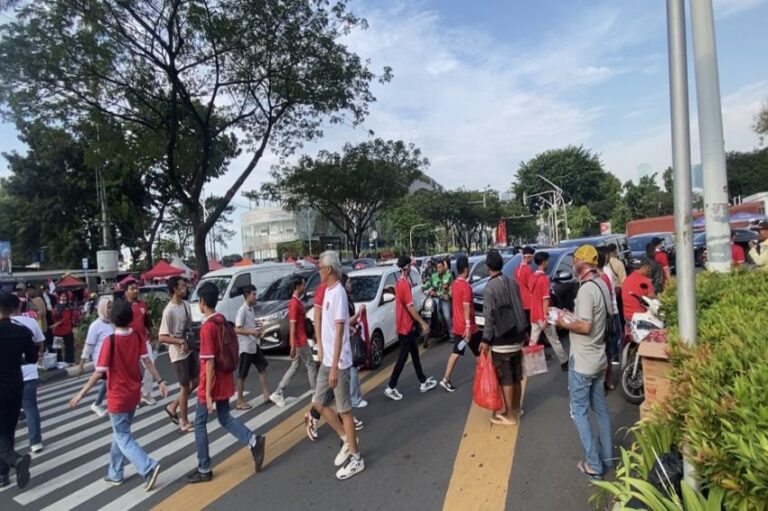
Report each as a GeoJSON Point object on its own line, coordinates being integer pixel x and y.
{"type": "Point", "coordinates": [387, 297]}
{"type": "Point", "coordinates": [563, 276]}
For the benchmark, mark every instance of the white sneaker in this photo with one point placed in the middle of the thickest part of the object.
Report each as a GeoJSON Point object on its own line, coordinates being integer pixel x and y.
{"type": "Point", "coordinates": [147, 401]}
{"type": "Point", "coordinates": [343, 454]}
{"type": "Point", "coordinates": [393, 394]}
{"type": "Point", "coordinates": [278, 399]}
{"type": "Point", "coordinates": [428, 385]}
{"type": "Point", "coordinates": [361, 404]}
{"type": "Point", "coordinates": [354, 465]}
{"type": "Point", "coordinates": [98, 410]}
{"type": "Point", "coordinates": [36, 448]}
{"type": "Point", "coordinates": [359, 425]}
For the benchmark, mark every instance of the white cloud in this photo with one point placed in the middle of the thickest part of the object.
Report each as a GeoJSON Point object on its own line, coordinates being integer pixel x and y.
{"type": "Point", "coordinates": [723, 8]}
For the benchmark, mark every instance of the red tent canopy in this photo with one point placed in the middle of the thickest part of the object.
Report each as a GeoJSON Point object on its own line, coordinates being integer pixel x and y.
{"type": "Point", "coordinates": [70, 282]}
{"type": "Point", "coordinates": [214, 265]}
{"type": "Point", "coordinates": [162, 270]}
{"type": "Point", "coordinates": [244, 262]}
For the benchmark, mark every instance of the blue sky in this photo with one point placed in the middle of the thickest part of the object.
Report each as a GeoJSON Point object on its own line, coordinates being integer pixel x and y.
{"type": "Point", "coordinates": [481, 86]}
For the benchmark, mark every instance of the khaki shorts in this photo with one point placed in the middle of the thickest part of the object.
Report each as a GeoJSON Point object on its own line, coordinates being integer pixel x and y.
{"type": "Point", "coordinates": [186, 369]}
{"type": "Point", "coordinates": [341, 393]}
{"type": "Point", "coordinates": [509, 367]}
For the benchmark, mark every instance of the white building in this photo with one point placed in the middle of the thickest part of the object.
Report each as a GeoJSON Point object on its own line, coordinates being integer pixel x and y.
{"type": "Point", "coordinates": [268, 224]}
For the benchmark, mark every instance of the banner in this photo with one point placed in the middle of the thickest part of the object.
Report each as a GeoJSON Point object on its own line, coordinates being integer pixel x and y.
{"type": "Point", "coordinates": [5, 259]}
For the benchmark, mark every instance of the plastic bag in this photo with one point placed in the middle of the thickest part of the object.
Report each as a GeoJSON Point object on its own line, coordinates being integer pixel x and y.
{"type": "Point", "coordinates": [58, 343]}
{"type": "Point", "coordinates": [359, 350]}
{"type": "Point", "coordinates": [486, 390]}
{"type": "Point", "coordinates": [534, 360]}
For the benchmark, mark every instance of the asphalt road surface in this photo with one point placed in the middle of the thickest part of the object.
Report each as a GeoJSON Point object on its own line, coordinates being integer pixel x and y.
{"type": "Point", "coordinates": [427, 452]}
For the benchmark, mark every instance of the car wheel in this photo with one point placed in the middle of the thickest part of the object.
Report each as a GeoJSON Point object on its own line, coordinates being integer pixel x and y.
{"type": "Point", "coordinates": [377, 350]}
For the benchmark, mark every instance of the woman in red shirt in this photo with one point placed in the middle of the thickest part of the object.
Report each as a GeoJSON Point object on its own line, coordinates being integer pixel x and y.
{"type": "Point", "coordinates": [63, 326]}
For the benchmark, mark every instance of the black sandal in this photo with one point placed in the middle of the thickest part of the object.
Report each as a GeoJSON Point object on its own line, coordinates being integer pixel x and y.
{"type": "Point", "coordinates": [583, 468]}
{"type": "Point", "coordinates": [174, 418]}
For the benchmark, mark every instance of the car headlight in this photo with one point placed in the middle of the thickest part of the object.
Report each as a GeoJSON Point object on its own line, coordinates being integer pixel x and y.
{"type": "Point", "coordinates": [429, 305]}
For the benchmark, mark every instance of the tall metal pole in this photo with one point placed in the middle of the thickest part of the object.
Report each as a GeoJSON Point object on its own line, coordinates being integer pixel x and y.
{"type": "Point", "coordinates": [681, 156]}
{"type": "Point", "coordinates": [716, 211]}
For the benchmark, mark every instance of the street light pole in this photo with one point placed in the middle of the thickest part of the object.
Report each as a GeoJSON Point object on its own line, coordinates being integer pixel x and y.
{"type": "Point", "coordinates": [410, 236]}
{"type": "Point", "coordinates": [681, 152]}
{"type": "Point", "coordinates": [711, 140]}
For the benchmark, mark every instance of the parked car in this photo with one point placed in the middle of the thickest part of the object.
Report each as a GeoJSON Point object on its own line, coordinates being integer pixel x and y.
{"type": "Point", "coordinates": [638, 242]}
{"type": "Point", "coordinates": [158, 290]}
{"type": "Point", "coordinates": [374, 287]}
{"type": "Point", "coordinates": [361, 264]}
{"type": "Point", "coordinates": [230, 282]}
{"type": "Point", "coordinates": [625, 255]}
{"type": "Point", "coordinates": [272, 308]}
{"type": "Point", "coordinates": [564, 284]}
{"type": "Point", "coordinates": [743, 237]}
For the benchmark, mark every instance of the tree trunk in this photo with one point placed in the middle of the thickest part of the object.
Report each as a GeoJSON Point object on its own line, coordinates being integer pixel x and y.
{"type": "Point", "coordinates": [201, 257]}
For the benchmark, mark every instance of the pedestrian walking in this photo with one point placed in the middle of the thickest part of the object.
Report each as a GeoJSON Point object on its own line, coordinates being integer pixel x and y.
{"type": "Point", "coordinates": [37, 304]}
{"type": "Point", "coordinates": [523, 275]}
{"type": "Point", "coordinates": [540, 303]}
{"type": "Point", "coordinates": [16, 349]}
{"type": "Point", "coordinates": [142, 325]}
{"type": "Point", "coordinates": [657, 273]}
{"type": "Point", "coordinates": [758, 250]}
{"type": "Point", "coordinates": [301, 353]}
{"type": "Point", "coordinates": [464, 328]}
{"type": "Point", "coordinates": [98, 330]}
{"type": "Point", "coordinates": [619, 272]}
{"type": "Point", "coordinates": [63, 330]}
{"type": "Point", "coordinates": [249, 345]}
{"type": "Point", "coordinates": [503, 335]}
{"type": "Point", "coordinates": [216, 388]}
{"type": "Point", "coordinates": [120, 358]}
{"type": "Point", "coordinates": [406, 318]}
{"type": "Point", "coordinates": [586, 375]}
{"type": "Point", "coordinates": [31, 377]}
{"type": "Point", "coordinates": [175, 328]}
{"type": "Point", "coordinates": [334, 369]}
{"type": "Point", "coordinates": [356, 327]}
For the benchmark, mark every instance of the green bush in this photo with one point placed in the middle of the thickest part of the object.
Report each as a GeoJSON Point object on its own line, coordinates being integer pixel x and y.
{"type": "Point", "coordinates": [718, 407]}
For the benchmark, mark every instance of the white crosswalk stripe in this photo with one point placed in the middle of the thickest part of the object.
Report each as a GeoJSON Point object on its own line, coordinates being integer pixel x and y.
{"type": "Point", "coordinates": [69, 472]}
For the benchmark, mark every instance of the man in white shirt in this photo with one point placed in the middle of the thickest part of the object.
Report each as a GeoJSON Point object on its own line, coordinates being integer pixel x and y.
{"type": "Point", "coordinates": [334, 372]}
{"type": "Point", "coordinates": [249, 346]}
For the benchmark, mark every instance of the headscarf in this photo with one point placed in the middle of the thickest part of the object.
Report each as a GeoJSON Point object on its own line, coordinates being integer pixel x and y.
{"type": "Point", "coordinates": [104, 302]}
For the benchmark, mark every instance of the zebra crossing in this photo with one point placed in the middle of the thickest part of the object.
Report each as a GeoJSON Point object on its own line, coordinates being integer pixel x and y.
{"type": "Point", "coordinates": [69, 472]}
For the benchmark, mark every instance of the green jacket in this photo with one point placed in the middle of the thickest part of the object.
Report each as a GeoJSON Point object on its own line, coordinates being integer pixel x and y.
{"type": "Point", "coordinates": [441, 284]}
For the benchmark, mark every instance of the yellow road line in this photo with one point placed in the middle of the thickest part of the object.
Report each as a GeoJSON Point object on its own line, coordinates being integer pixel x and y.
{"type": "Point", "coordinates": [480, 477]}
{"type": "Point", "coordinates": [239, 467]}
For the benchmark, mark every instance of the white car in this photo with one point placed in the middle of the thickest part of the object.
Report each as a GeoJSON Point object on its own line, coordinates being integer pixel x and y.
{"type": "Point", "coordinates": [374, 288]}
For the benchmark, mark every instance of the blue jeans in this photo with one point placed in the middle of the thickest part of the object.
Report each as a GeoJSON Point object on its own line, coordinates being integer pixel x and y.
{"type": "Point", "coordinates": [101, 395]}
{"type": "Point", "coordinates": [29, 403]}
{"type": "Point", "coordinates": [125, 446]}
{"type": "Point", "coordinates": [587, 391]}
{"type": "Point", "coordinates": [445, 310]}
{"type": "Point", "coordinates": [354, 386]}
{"type": "Point", "coordinates": [227, 422]}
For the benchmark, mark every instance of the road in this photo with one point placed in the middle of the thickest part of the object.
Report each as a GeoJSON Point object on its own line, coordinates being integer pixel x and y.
{"type": "Point", "coordinates": [427, 452]}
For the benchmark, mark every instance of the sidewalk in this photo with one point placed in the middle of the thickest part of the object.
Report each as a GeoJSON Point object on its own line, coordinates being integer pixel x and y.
{"type": "Point", "coordinates": [52, 375]}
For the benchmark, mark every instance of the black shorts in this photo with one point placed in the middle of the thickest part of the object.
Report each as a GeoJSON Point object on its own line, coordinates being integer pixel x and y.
{"type": "Point", "coordinates": [474, 343]}
{"type": "Point", "coordinates": [509, 367]}
{"type": "Point", "coordinates": [246, 359]}
{"type": "Point", "coordinates": [186, 369]}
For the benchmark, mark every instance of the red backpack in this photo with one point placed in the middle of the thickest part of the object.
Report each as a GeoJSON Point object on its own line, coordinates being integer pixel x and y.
{"type": "Point", "coordinates": [227, 358]}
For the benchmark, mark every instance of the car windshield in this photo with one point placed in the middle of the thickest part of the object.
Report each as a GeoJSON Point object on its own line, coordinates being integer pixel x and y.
{"type": "Point", "coordinates": [221, 284]}
{"type": "Point", "coordinates": [700, 238]}
{"type": "Point", "coordinates": [638, 243]}
{"type": "Point", "coordinates": [511, 265]}
{"type": "Point", "coordinates": [279, 290]}
{"type": "Point", "coordinates": [364, 288]}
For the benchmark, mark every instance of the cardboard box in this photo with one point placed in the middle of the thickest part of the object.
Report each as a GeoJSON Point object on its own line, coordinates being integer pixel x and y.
{"type": "Point", "coordinates": [656, 369]}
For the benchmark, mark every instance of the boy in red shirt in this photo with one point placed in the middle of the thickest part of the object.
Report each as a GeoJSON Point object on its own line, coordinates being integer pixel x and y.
{"type": "Point", "coordinates": [142, 325]}
{"type": "Point", "coordinates": [540, 302]}
{"type": "Point", "coordinates": [523, 275]}
{"type": "Point", "coordinates": [637, 284]}
{"type": "Point", "coordinates": [738, 257]}
{"type": "Point", "coordinates": [662, 258]}
{"type": "Point", "coordinates": [120, 356]}
{"type": "Point", "coordinates": [300, 350]}
{"type": "Point", "coordinates": [464, 328]}
{"type": "Point", "coordinates": [215, 390]}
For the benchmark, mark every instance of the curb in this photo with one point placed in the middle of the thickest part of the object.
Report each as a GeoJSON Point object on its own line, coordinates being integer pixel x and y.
{"type": "Point", "coordinates": [53, 375]}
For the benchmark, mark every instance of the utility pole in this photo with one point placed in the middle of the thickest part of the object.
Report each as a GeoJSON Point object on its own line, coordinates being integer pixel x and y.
{"type": "Point", "coordinates": [716, 211]}
{"type": "Point", "coordinates": [681, 155]}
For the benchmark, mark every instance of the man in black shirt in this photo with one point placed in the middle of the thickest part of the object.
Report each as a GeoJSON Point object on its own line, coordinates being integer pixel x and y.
{"type": "Point", "coordinates": [16, 348]}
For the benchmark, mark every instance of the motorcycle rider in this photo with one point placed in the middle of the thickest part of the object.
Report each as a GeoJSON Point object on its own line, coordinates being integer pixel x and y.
{"type": "Point", "coordinates": [637, 284]}
{"type": "Point", "coordinates": [439, 287]}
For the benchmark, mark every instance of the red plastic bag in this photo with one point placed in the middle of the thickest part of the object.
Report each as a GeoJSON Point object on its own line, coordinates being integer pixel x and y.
{"type": "Point", "coordinates": [486, 390]}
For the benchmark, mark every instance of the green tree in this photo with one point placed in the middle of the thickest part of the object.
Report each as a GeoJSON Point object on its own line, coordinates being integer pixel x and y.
{"type": "Point", "coordinates": [581, 222]}
{"type": "Point", "coordinates": [352, 188]}
{"type": "Point", "coordinates": [207, 80]}
{"type": "Point", "coordinates": [761, 122]}
{"type": "Point", "coordinates": [403, 215]}
{"type": "Point", "coordinates": [646, 199]}
{"type": "Point", "coordinates": [747, 172]}
{"type": "Point", "coordinates": [521, 224]}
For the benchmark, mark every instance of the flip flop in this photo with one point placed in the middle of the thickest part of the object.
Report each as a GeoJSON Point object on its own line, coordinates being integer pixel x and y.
{"type": "Point", "coordinates": [500, 420]}
{"type": "Point", "coordinates": [174, 418]}
{"type": "Point", "coordinates": [190, 428]}
{"type": "Point", "coordinates": [246, 406]}
{"type": "Point", "coordinates": [583, 468]}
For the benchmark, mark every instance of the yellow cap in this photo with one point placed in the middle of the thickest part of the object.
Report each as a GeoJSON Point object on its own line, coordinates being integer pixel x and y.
{"type": "Point", "coordinates": [586, 253]}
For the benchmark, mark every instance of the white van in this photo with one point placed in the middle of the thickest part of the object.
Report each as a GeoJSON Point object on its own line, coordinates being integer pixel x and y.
{"type": "Point", "coordinates": [231, 281]}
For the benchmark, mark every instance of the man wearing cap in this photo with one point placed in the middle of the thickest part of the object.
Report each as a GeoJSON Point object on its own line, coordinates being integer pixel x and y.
{"type": "Point", "coordinates": [758, 250]}
{"type": "Point", "coordinates": [586, 374]}
{"type": "Point", "coordinates": [405, 319]}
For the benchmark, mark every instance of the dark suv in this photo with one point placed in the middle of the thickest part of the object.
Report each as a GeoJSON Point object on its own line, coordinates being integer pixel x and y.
{"type": "Point", "coordinates": [620, 240]}
{"type": "Point", "coordinates": [272, 308]}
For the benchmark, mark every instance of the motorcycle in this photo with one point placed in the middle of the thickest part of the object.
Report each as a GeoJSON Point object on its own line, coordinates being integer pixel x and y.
{"type": "Point", "coordinates": [643, 326]}
{"type": "Point", "coordinates": [430, 313]}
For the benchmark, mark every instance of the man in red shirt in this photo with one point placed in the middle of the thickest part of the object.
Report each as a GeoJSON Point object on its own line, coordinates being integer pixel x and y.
{"type": "Point", "coordinates": [215, 390]}
{"type": "Point", "coordinates": [540, 302]}
{"type": "Point", "coordinates": [738, 257]}
{"type": "Point", "coordinates": [662, 258]}
{"type": "Point", "coordinates": [635, 285]}
{"type": "Point", "coordinates": [63, 325]}
{"type": "Point", "coordinates": [464, 328]}
{"type": "Point", "coordinates": [523, 278]}
{"type": "Point", "coordinates": [142, 325]}
{"type": "Point", "coordinates": [300, 350]}
{"type": "Point", "coordinates": [405, 318]}
{"type": "Point", "coordinates": [120, 357]}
